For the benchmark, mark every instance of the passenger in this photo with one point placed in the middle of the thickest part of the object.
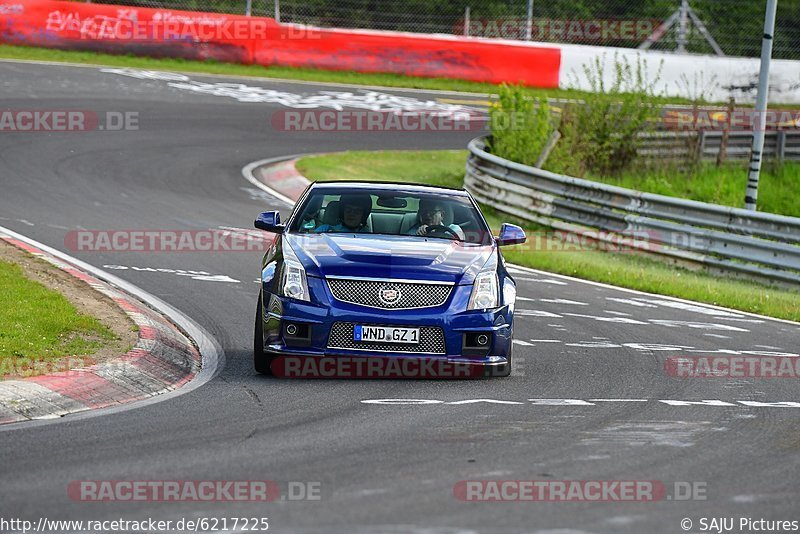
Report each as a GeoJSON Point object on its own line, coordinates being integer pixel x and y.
{"type": "Point", "coordinates": [430, 221]}
{"type": "Point", "coordinates": [353, 213]}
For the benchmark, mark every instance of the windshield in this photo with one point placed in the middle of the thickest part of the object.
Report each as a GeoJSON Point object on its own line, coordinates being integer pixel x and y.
{"type": "Point", "coordinates": [389, 213]}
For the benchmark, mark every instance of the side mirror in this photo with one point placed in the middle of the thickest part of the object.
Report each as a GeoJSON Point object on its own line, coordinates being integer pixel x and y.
{"type": "Point", "coordinates": [510, 234]}
{"type": "Point", "coordinates": [269, 221]}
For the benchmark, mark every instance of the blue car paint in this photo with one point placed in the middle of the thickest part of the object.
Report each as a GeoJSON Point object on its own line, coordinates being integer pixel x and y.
{"type": "Point", "coordinates": [392, 257]}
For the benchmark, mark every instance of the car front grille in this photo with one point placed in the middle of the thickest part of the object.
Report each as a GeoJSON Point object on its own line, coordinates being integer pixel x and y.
{"type": "Point", "coordinates": [388, 294]}
{"type": "Point", "coordinates": [431, 341]}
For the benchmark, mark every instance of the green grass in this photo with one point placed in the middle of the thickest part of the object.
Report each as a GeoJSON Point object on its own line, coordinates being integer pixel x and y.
{"type": "Point", "coordinates": [779, 188]}
{"type": "Point", "coordinates": [446, 168]}
{"type": "Point", "coordinates": [291, 73]}
{"type": "Point", "coordinates": [443, 168]}
{"type": "Point", "coordinates": [40, 325]}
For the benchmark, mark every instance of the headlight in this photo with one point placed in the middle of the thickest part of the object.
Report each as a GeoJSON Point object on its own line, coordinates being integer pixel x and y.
{"type": "Point", "coordinates": [509, 295]}
{"type": "Point", "coordinates": [485, 293]}
{"type": "Point", "coordinates": [293, 282]}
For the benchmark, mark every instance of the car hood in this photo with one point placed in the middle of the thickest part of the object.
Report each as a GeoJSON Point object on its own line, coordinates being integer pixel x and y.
{"type": "Point", "coordinates": [382, 256]}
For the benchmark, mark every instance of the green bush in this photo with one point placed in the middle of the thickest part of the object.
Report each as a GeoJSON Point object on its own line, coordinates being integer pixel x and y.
{"type": "Point", "coordinates": [520, 125]}
{"type": "Point", "coordinates": [604, 130]}
{"type": "Point", "coordinates": [599, 135]}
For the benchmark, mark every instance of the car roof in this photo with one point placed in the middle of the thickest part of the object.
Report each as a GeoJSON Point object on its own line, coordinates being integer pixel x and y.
{"type": "Point", "coordinates": [399, 187]}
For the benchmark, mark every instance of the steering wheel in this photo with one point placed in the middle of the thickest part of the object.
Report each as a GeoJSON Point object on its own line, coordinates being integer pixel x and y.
{"type": "Point", "coordinates": [435, 230]}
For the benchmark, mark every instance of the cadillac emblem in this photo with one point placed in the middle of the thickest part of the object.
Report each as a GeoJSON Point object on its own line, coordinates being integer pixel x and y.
{"type": "Point", "coordinates": [389, 295]}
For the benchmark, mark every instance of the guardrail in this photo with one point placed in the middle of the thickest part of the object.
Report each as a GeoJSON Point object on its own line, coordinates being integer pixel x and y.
{"type": "Point", "coordinates": [756, 244]}
{"type": "Point", "coordinates": [781, 145]}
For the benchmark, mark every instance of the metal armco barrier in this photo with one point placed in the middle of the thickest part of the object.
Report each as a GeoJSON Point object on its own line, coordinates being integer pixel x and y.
{"type": "Point", "coordinates": [781, 145]}
{"type": "Point", "coordinates": [762, 245]}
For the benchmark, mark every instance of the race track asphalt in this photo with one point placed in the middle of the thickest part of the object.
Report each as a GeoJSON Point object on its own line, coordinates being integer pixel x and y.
{"type": "Point", "coordinates": [382, 467]}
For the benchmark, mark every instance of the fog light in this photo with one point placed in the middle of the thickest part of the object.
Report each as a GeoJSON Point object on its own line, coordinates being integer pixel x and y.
{"type": "Point", "coordinates": [482, 339]}
{"type": "Point", "coordinates": [291, 329]}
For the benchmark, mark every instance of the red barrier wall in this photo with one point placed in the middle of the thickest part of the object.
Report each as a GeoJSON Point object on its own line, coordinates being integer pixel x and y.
{"type": "Point", "coordinates": [232, 38]}
{"type": "Point", "coordinates": [416, 55]}
{"type": "Point", "coordinates": [130, 30]}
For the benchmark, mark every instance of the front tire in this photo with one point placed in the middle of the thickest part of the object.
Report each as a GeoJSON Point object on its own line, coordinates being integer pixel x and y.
{"type": "Point", "coordinates": [261, 360]}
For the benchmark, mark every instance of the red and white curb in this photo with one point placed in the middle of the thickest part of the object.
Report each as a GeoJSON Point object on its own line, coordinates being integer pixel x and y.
{"type": "Point", "coordinates": [163, 359]}
{"type": "Point", "coordinates": [277, 176]}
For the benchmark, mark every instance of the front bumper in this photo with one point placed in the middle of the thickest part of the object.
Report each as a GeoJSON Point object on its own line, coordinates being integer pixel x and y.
{"type": "Point", "coordinates": [315, 320]}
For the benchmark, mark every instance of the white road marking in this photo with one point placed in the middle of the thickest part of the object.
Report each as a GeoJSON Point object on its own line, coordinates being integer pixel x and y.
{"type": "Point", "coordinates": [624, 320]}
{"type": "Point", "coordinates": [720, 336]}
{"type": "Point", "coordinates": [543, 281]}
{"type": "Point", "coordinates": [656, 347]}
{"type": "Point", "coordinates": [686, 306]}
{"type": "Point", "coordinates": [631, 302]}
{"type": "Point", "coordinates": [594, 345]}
{"type": "Point", "coordinates": [488, 401]}
{"type": "Point", "coordinates": [715, 351]}
{"type": "Point", "coordinates": [692, 324]}
{"type": "Point", "coordinates": [535, 313]}
{"type": "Point", "coordinates": [756, 321]}
{"type": "Point", "coordinates": [194, 275]}
{"type": "Point", "coordinates": [564, 301]}
{"type": "Point", "coordinates": [559, 402]}
{"type": "Point", "coordinates": [216, 278]}
{"type": "Point", "coordinates": [361, 98]}
{"type": "Point", "coordinates": [612, 312]}
{"type": "Point", "coordinates": [546, 340]}
{"type": "Point", "coordinates": [619, 400]}
{"type": "Point", "coordinates": [522, 343]}
{"type": "Point", "coordinates": [579, 403]}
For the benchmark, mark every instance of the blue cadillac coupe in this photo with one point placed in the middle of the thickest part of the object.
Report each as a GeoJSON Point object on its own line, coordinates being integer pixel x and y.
{"type": "Point", "coordinates": [386, 271]}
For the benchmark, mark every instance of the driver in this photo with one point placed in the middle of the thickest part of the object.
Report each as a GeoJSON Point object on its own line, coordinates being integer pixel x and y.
{"type": "Point", "coordinates": [353, 213]}
{"type": "Point", "coordinates": [430, 220]}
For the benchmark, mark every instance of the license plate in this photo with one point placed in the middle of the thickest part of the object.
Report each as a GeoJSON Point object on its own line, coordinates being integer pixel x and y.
{"type": "Point", "coordinates": [386, 334]}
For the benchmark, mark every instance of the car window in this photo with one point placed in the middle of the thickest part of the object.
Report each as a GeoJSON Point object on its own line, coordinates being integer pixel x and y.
{"type": "Point", "coordinates": [384, 212]}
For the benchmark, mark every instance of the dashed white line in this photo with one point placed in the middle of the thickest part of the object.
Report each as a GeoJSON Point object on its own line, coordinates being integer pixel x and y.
{"type": "Point", "coordinates": [625, 320]}
{"type": "Point", "coordinates": [618, 400]}
{"type": "Point", "coordinates": [564, 301]}
{"type": "Point", "coordinates": [631, 302]}
{"type": "Point", "coordinates": [543, 281]}
{"type": "Point", "coordinates": [693, 324]}
{"type": "Point", "coordinates": [536, 313]}
{"type": "Point", "coordinates": [594, 345]}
